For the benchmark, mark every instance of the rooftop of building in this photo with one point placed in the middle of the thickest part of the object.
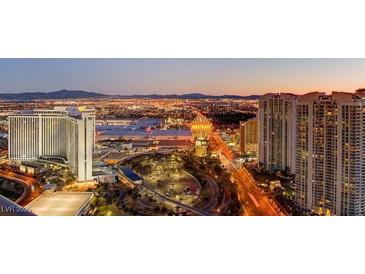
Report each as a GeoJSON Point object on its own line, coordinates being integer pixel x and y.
{"type": "Point", "coordinates": [142, 143]}
{"type": "Point", "coordinates": [149, 122]}
{"type": "Point", "coordinates": [72, 111]}
{"type": "Point", "coordinates": [174, 143]}
{"type": "Point", "coordinates": [335, 95]}
{"type": "Point", "coordinates": [60, 203]}
{"type": "Point", "coordinates": [32, 164]}
{"type": "Point", "coordinates": [133, 131]}
{"type": "Point", "coordinates": [130, 174]}
{"type": "Point", "coordinates": [278, 95]}
{"type": "Point", "coordinates": [102, 170]}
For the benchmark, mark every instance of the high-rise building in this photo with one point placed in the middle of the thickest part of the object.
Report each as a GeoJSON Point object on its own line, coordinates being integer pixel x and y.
{"type": "Point", "coordinates": [249, 137]}
{"type": "Point", "coordinates": [277, 131]}
{"type": "Point", "coordinates": [330, 154]}
{"type": "Point", "coordinates": [67, 133]}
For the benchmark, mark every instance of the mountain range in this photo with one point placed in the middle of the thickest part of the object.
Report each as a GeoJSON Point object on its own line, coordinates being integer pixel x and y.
{"type": "Point", "coordinates": [80, 94]}
{"type": "Point", "coordinates": [60, 94]}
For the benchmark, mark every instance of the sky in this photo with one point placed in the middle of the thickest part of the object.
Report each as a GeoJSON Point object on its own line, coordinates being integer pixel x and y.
{"type": "Point", "coordinates": [177, 76]}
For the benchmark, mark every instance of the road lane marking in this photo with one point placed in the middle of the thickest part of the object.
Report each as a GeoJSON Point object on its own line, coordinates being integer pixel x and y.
{"type": "Point", "coordinates": [253, 199]}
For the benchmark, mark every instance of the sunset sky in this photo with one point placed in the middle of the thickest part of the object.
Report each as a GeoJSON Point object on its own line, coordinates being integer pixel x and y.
{"type": "Point", "coordinates": [168, 76]}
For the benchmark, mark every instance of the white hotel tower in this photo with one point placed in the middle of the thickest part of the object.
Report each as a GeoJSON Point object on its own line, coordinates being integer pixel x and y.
{"type": "Point", "coordinates": [277, 131]}
{"type": "Point", "coordinates": [330, 154]}
{"type": "Point", "coordinates": [65, 132]}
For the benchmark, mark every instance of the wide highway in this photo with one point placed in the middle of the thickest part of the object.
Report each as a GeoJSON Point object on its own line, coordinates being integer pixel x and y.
{"type": "Point", "coordinates": [254, 202]}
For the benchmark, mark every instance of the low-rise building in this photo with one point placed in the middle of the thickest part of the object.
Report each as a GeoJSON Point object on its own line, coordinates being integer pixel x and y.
{"type": "Point", "coordinates": [61, 204]}
{"type": "Point", "coordinates": [130, 175]}
{"type": "Point", "coordinates": [104, 174]}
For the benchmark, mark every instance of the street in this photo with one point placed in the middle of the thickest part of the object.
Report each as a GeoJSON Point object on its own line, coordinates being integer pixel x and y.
{"type": "Point", "coordinates": [254, 202]}
{"type": "Point", "coordinates": [32, 186]}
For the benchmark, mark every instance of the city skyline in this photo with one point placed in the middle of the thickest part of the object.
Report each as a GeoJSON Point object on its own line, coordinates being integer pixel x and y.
{"type": "Point", "coordinates": [278, 154]}
{"type": "Point", "coordinates": [177, 76]}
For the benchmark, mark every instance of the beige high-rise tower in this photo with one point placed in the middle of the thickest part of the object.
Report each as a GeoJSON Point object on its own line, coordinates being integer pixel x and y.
{"type": "Point", "coordinates": [330, 154]}
{"type": "Point", "coordinates": [62, 132]}
{"type": "Point", "coordinates": [277, 131]}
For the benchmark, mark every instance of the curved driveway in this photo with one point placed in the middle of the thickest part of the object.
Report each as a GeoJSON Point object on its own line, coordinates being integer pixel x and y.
{"type": "Point", "coordinates": [31, 186]}
{"type": "Point", "coordinates": [193, 209]}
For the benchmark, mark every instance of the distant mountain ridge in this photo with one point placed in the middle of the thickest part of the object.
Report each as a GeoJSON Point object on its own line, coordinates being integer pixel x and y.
{"type": "Point", "coordinates": [189, 96]}
{"type": "Point", "coordinates": [59, 94]}
{"type": "Point", "coordinates": [80, 94]}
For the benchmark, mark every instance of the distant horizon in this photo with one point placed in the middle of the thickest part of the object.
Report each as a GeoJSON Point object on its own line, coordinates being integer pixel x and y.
{"type": "Point", "coordinates": [127, 93]}
{"type": "Point", "coordinates": [165, 76]}
{"type": "Point", "coordinates": [175, 93]}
